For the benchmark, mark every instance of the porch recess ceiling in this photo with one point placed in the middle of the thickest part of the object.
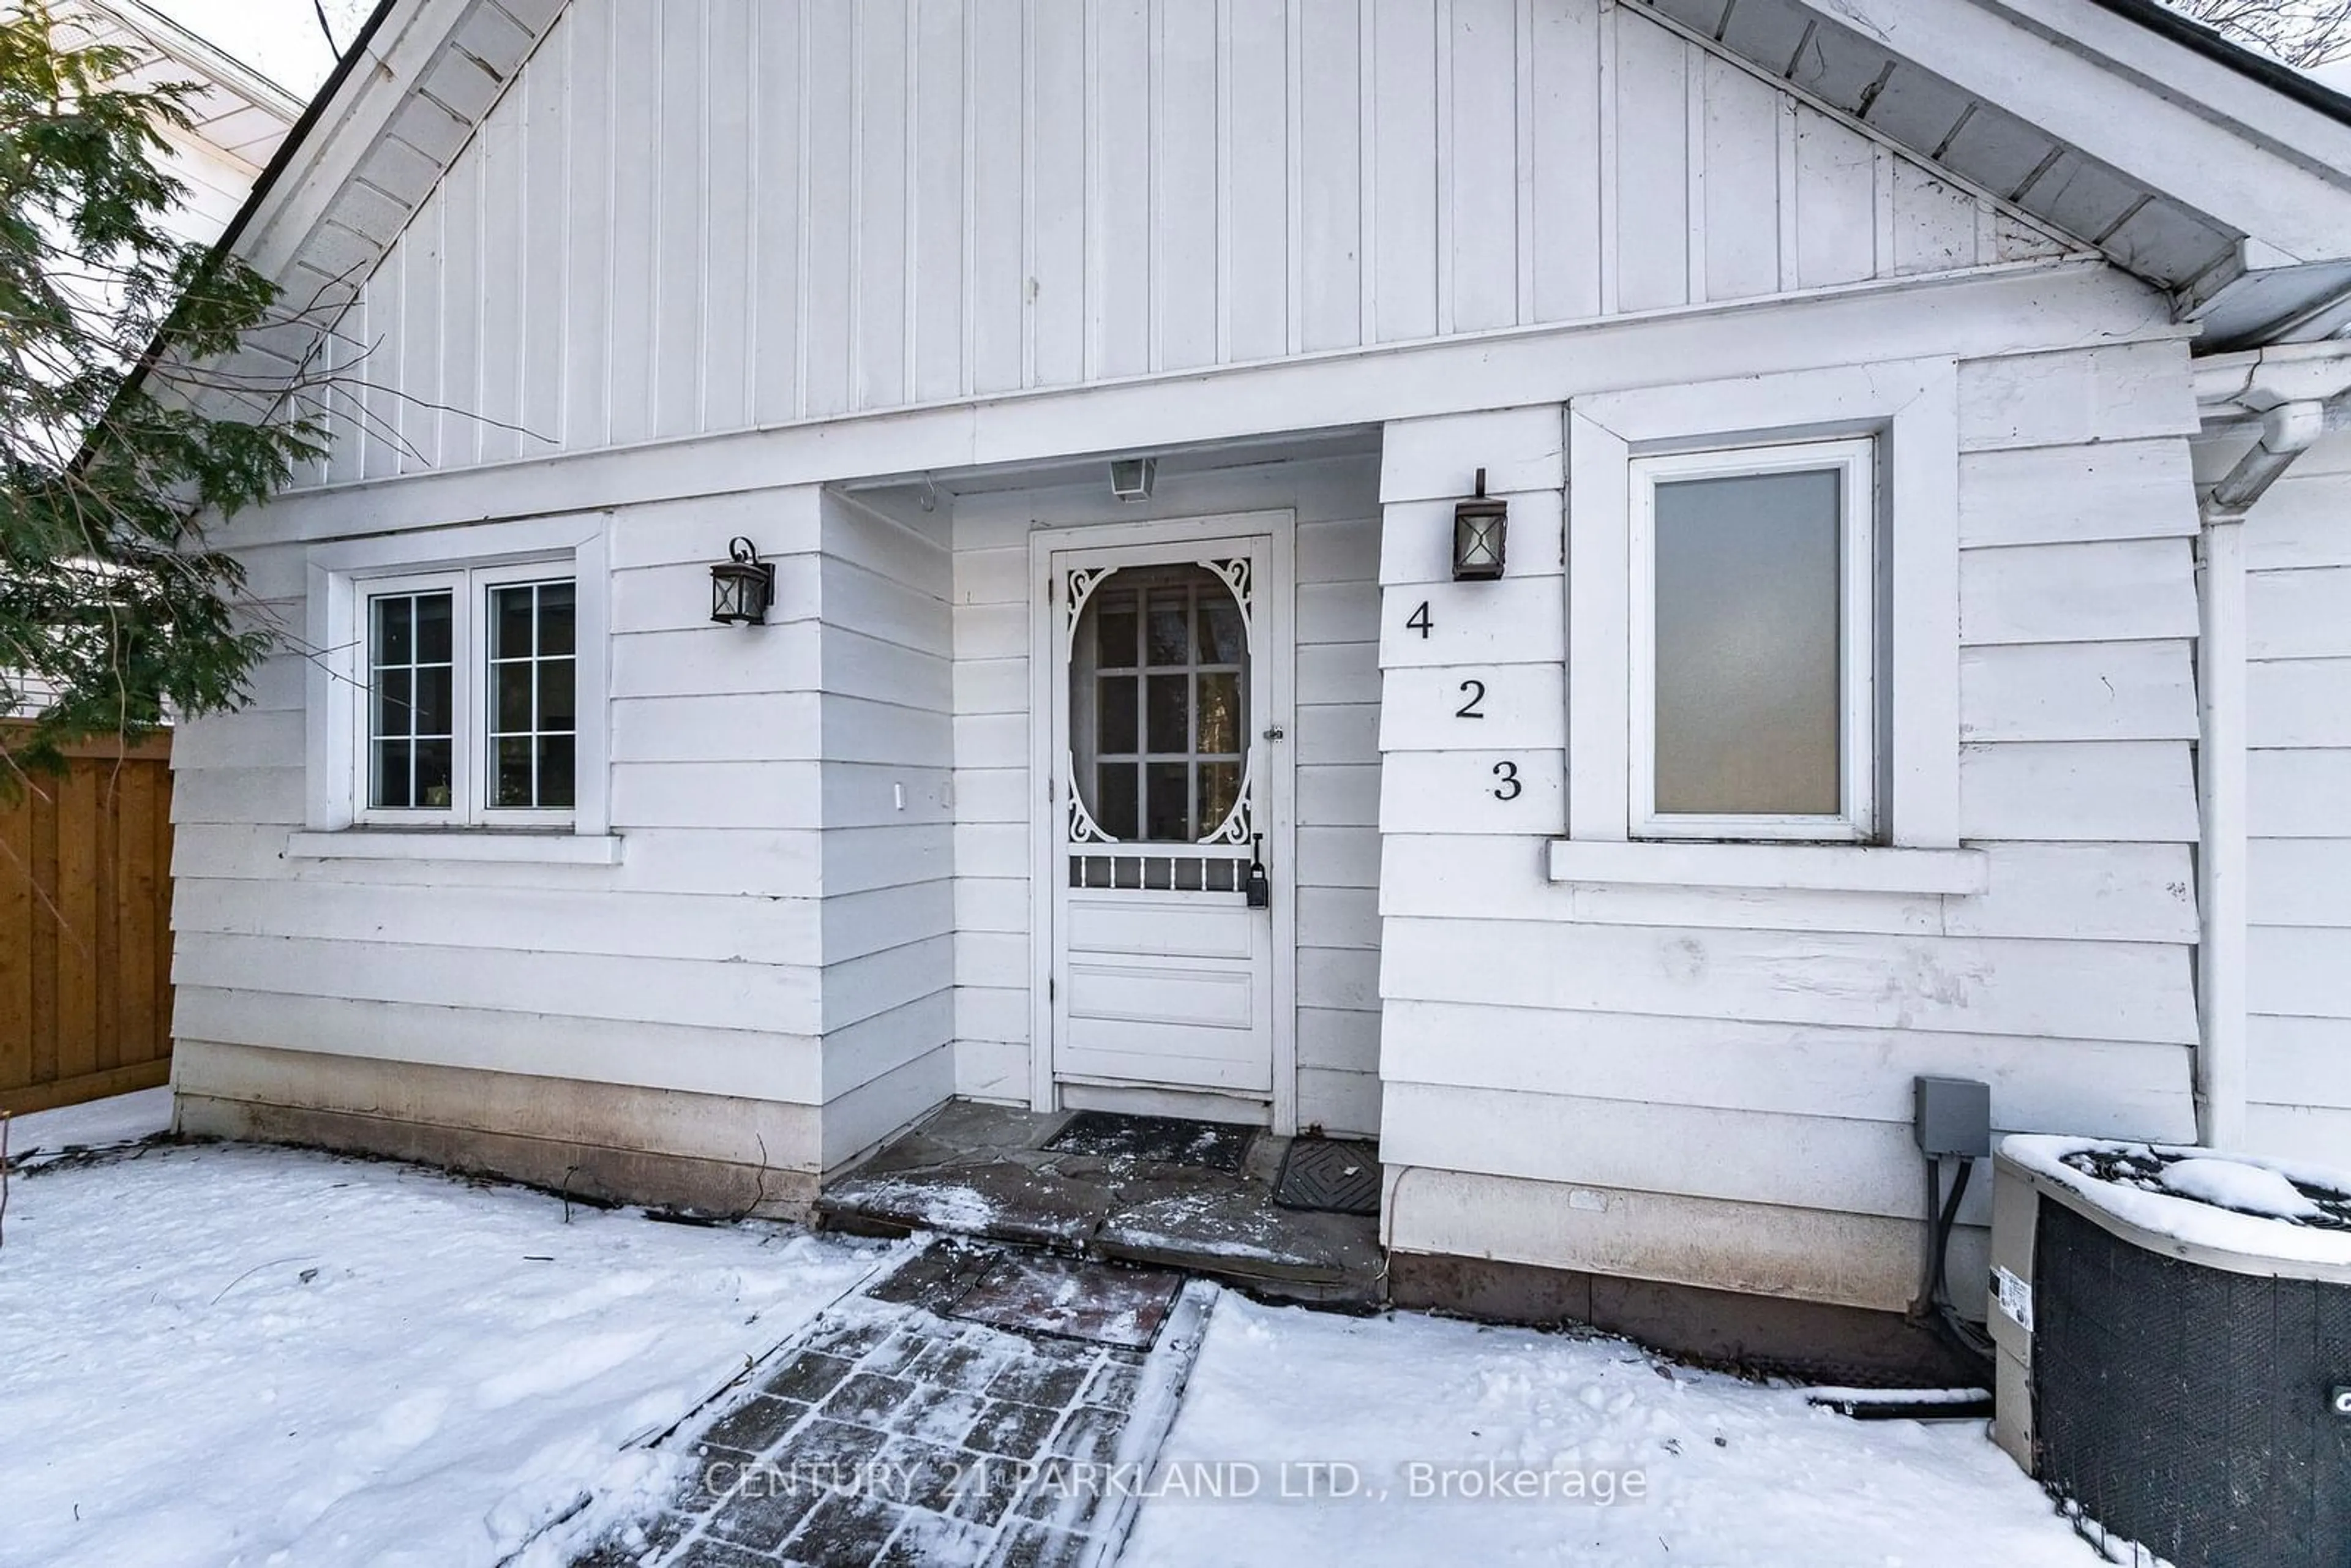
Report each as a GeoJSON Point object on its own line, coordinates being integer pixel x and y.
{"type": "Point", "coordinates": [2173, 246]}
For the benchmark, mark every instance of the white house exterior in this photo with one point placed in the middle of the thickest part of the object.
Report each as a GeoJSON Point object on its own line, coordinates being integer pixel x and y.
{"type": "Point", "coordinates": [1846, 370]}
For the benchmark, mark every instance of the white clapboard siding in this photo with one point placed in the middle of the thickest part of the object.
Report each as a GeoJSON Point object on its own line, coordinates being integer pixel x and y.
{"type": "Point", "coordinates": [1805, 1160]}
{"type": "Point", "coordinates": [889, 995]}
{"type": "Point", "coordinates": [2315, 1134]}
{"type": "Point", "coordinates": [2298, 705]}
{"type": "Point", "coordinates": [2078, 691]}
{"type": "Point", "coordinates": [2086, 990]}
{"type": "Point", "coordinates": [2301, 1061]}
{"type": "Point", "coordinates": [2115, 591]}
{"type": "Point", "coordinates": [2103, 790]}
{"type": "Point", "coordinates": [689, 216]}
{"type": "Point", "coordinates": [2298, 614]}
{"type": "Point", "coordinates": [780, 924]}
{"type": "Point", "coordinates": [712, 994]}
{"type": "Point", "coordinates": [1588, 1036]}
{"type": "Point", "coordinates": [2131, 391]}
{"type": "Point", "coordinates": [2298, 887]}
{"type": "Point", "coordinates": [1798, 1070]}
{"type": "Point", "coordinates": [2300, 971]}
{"type": "Point", "coordinates": [1336, 736]}
{"type": "Point", "coordinates": [2072, 495]}
{"type": "Point", "coordinates": [762, 1063]}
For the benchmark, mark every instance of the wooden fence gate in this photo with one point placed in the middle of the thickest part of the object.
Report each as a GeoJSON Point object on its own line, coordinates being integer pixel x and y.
{"type": "Point", "coordinates": [86, 929]}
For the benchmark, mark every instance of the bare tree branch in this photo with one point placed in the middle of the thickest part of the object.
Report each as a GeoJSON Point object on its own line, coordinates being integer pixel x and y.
{"type": "Point", "coordinates": [2304, 34]}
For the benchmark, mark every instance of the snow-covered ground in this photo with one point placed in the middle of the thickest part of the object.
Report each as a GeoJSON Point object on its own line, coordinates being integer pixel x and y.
{"type": "Point", "coordinates": [222, 1355]}
{"type": "Point", "coordinates": [123, 1119]}
{"type": "Point", "coordinates": [1728, 1473]}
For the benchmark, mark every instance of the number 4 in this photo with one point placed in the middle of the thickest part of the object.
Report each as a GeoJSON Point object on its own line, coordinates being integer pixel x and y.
{"type": "Point", "coordinates": [1419, 621]}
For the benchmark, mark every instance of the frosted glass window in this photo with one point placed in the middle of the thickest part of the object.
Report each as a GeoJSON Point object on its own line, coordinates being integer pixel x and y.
{"type": "Point", "coordinates": [1753, 612]}
{"type": "Point", "coordinates": [1749, 691]}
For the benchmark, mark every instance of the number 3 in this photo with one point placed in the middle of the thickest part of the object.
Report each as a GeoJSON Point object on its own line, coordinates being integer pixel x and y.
{"type": "Point", "coordinates": [1510, 787]}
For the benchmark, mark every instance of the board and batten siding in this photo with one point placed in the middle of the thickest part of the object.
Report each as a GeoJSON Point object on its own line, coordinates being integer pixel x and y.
{"type": "Point", "coordinates": [1335, 502]}
{"type": "Point", "coordinates": [774, 936]}
{"type": "Point", "coordinates": [685, 218]}
{"type": "Point", "coordinates": [1712, 1086]}
{"type": "Point", "coordinates": [2298, 729]}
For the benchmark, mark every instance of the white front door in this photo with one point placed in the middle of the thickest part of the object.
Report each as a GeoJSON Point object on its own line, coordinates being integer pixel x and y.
{"type": "Point", "coordinates": [1168, 803]}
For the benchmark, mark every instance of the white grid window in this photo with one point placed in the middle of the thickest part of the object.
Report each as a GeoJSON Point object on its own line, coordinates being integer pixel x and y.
{"type": "Point", "coordinates": [1754, 643]}
{"type": "Point", "coordinates": [472, 701]}
{"type": "Point", "coordinates": [533, 712]}
{"type": "Point", "coordinates": [412, 666]}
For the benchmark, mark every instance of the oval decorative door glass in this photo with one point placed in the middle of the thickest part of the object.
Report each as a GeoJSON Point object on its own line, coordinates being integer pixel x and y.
{"type": "Point", "coordinates": [1159, 683]}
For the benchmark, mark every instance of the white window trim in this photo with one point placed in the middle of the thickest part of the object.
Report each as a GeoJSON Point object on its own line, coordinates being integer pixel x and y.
{"type": "Point", "coordinates": [343, 573]}
{"type": "Point", "coordinates": [1911, 408]}
{"type": "Point", "coordinates": [1855, 461]}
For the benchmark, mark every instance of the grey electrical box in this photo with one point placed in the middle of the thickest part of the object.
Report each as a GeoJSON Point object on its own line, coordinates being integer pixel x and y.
{"type": "Point", "coordinates": [1953, 1116]}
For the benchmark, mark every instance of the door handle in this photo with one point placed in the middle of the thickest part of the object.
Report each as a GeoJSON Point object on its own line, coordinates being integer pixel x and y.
{"type": "Point", "coordinates": [1258, 890]}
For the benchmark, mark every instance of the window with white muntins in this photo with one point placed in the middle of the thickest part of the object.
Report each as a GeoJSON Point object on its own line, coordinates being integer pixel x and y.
{"type": "Point", "coordinates": [472, 698]}
{"type": "Point", "coordinates": [460, 684]}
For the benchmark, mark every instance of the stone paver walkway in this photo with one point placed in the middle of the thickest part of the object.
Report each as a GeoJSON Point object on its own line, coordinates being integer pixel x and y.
{"type": "Point", "coordinates": [891, 1432]}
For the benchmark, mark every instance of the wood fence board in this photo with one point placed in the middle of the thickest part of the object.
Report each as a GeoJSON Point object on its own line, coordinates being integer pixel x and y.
{"type": "Point", "coordinates": [15, 945]}
{"type": "Point", "coordinates": [42, 803]}
{"type": "Point", "coordinates": [81, 917]}
{"type": "Point", "coordinates": [85, 929]}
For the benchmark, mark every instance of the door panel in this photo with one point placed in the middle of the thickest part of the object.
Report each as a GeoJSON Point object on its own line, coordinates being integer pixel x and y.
{"type": "Point", "coordinates": [1177, 930]}
{"type": "Point", "coordinates": [1162, 796]}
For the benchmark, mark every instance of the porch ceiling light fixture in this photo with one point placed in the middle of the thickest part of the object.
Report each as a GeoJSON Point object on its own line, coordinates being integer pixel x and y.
{"type": "Point", "coordinates": [1131, 477]}
{"type": "Point", "coordinates": [741, 587]}
{"type": "Point", "coordinates": [1479, 526]}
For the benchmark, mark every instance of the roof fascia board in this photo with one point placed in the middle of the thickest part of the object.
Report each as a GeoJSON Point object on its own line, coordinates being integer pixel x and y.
{"type": "Point", "coordinates": [2286, 126]}
{"type": "Point", "coordinates": [328, 155]}
{"type": "Point", "coordinates": [2054, 64]}
{"type": "Point", "coordinates": [217, 66]}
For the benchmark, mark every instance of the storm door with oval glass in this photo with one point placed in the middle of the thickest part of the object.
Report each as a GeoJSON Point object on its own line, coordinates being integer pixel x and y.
{"type": "Point", "coordinates": [1166, 865]}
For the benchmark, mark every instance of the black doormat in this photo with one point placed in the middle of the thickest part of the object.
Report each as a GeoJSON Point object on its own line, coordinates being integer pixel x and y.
{"type": "Point", "coordinates": [1330, 1176]}
{"type": "Point", "coordinates": [1169, 1140]}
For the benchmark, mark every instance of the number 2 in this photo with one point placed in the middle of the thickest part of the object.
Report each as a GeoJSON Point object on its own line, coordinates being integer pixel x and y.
{"type": "Point", "coordinates": [1475, 691]}
{"type": "Point", "coordinates": [1419, 621]}
{"type": "Point", "coordinates": [1510, 787]}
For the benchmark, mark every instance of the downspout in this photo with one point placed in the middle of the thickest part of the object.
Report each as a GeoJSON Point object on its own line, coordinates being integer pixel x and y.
{"type": "Point", "coordinates": [2292, 396]}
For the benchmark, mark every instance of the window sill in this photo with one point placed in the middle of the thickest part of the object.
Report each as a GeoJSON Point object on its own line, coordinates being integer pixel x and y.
{"type": "Point", "coordinates": [1833, 868]}
{"type": "Point", "coordinates": [527, 847]}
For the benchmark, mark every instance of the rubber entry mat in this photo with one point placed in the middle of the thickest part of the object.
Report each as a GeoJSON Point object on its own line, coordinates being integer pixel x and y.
{"type": "Point", "coordinates": [1064, 1298]}
{"type": "Point", "coordinates": [1167, 1140]}
{"type": "Point", "coordinates": [1330, 1176]}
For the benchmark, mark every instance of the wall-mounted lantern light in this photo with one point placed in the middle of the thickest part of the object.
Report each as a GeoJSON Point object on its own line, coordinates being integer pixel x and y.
{"type": "Point", "coordinates": [741, 587]}
{"type": "Point", "coordinates": [1480, 525]}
